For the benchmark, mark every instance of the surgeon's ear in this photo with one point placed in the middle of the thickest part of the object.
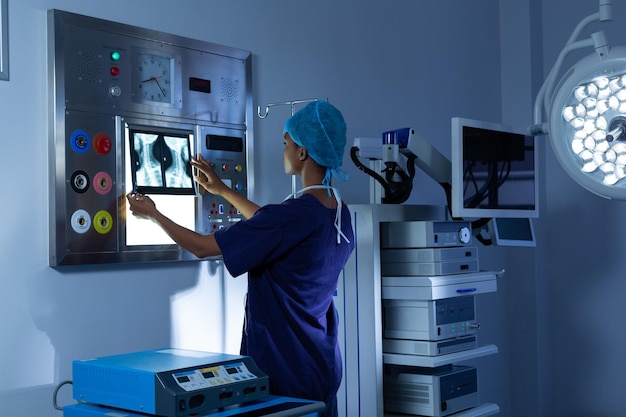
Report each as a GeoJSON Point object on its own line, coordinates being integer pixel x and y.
{"type": "Point", "coordinates": [302, 153]}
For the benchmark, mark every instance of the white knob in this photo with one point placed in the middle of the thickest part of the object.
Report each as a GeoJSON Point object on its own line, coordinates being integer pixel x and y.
{"type": "Point", "coordinates": [464, 235]}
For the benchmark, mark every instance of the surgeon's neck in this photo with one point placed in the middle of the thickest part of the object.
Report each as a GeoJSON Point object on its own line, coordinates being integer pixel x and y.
{"type": "Point", "coordinates": [313, 174]}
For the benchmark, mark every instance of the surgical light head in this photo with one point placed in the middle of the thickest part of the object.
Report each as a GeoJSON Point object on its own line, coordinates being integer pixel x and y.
{"type": "Point", "coordinates": [593, 124]}
{"type": "Point", "coordinates": [586, 111]}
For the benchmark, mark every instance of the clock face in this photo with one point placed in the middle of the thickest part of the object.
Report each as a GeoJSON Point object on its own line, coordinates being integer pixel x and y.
{"type": "Point", "coordinates": [154, 80]}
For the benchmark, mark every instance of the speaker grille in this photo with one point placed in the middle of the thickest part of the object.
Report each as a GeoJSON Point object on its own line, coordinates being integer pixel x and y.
{"type": "Point", "coordinates": [230, 90]}
{"type": "Point", "coordinates": [89, 66]}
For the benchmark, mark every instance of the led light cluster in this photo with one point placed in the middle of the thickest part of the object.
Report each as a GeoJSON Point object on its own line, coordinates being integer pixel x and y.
{"type": "Point", "coordinates": [598, 120]}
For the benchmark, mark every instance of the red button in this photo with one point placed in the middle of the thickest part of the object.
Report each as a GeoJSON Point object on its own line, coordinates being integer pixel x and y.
{"type": "Point", "coordinates": [102, 143]}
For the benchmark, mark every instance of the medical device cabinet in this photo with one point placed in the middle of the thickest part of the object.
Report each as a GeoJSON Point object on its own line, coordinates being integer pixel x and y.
{"type": "Point", "coordinates": [364, 288]}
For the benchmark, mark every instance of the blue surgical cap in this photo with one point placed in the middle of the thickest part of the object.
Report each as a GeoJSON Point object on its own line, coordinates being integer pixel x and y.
{"type": "Point", "coordinates": [321, 129]}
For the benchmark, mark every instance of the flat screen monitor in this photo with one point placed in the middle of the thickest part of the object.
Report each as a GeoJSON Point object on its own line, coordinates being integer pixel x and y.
{"type": "Point", "coordinates": [160, 162]}
{"type": "Point", "coordinates": [512, 232]}
{"type": "Point", "coordinates": [494, 171]}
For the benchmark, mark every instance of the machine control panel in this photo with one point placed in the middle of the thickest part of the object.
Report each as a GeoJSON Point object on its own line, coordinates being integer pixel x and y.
{"type": "Point", "coordinates": [425, 234]}
{"type": "Point", "coordinates": [225, 151]}
{"type": "Point", "coordinates": [430, 320]}
{"type": "Point", "coordinates": [212, 376]}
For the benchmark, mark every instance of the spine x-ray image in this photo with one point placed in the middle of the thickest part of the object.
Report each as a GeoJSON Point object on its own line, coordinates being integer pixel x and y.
{"type": "Point", "coordinates": [160, 163]}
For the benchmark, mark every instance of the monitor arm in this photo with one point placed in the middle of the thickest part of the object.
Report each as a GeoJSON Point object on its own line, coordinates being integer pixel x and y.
{"type": "Point", "coordinates": [399, 171]}
{"type": "Point", "coordinates": [427, 158]}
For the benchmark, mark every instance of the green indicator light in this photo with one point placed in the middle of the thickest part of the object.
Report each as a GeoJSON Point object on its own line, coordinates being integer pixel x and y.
{"type": "Point", "coordinates": [115, 56]}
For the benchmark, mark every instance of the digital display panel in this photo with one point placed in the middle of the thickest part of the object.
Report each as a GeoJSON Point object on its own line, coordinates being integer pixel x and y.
{"type": "Point", "coordinates": [224, 143]}
{"type": "Point", "coordinates": [199, 84]}
{"type": "Point", "coordinates": [160, 162]}
{"type": "Point", "coordinates": [512, 232]}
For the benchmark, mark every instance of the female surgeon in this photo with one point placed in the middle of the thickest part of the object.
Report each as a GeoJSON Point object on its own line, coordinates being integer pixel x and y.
{"type": "Point", "coordinates": [293, 253]}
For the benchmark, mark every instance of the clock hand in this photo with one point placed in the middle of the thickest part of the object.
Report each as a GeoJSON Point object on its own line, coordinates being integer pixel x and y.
{"type": "Point", "coordinates": [151, 79]}
{"type": "Point", "coordinates": [159, 85]}
{"type": "Point", "coordinates": [155, 79]}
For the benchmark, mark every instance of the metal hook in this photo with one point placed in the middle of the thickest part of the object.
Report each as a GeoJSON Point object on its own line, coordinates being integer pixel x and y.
{"type": "Point", "coordinates": [258, 112]}
{"type": "Point", "coordinates": [284, 103]}
{"type": "Point", "coordinates": [293, 111]}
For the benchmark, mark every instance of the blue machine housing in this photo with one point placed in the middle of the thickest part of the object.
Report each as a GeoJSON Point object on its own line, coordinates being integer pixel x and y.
{"type": "Point", "coordinates": [397, 137]}
{"type": "Point", "coordinates": [169, 382]}
{"type": "Point", "coordinates": [269, 406]}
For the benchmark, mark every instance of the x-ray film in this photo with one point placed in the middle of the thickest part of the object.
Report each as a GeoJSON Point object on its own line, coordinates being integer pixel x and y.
{"type": "Point", "coordinates": [160, 162]}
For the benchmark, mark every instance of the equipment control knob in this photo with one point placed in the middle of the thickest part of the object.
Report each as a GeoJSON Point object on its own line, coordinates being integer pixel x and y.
{"type": "Point", "coordinates": [115, 91]}
{"type": "Point", "coordinates": [464, 234]}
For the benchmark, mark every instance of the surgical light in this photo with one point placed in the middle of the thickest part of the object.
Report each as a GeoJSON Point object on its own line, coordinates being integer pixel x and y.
{"type": "Point", "coordinates": [586, 112]}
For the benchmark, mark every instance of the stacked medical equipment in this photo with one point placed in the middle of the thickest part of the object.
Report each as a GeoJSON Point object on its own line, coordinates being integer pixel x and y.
{"type": "Point", "coordinates": [177, 383]}
{"type": "Point", "coordinates": [430, 276]}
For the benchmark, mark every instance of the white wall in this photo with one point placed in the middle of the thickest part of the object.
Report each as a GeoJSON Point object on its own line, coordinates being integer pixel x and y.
{"type": "Point", "coordinates": [566, 337]}
{"type": "Point", "coordinates": [586, 268]}
{"type": "Point", "coordinates": [522, 292]}
{"type": "Point", "coordinates": [385, 64]}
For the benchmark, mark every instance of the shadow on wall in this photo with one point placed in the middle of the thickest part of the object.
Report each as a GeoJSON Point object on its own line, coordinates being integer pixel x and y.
{"type": "Point", "coordinates": [96, 311]}
{"type": "Point", "coordinates": [586, 280]}
{"type": "Point", "coordinates": [209, 316]}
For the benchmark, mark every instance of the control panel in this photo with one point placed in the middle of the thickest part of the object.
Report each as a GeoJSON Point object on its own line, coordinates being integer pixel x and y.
{"type": "Point", "coordinates": [131, 106]}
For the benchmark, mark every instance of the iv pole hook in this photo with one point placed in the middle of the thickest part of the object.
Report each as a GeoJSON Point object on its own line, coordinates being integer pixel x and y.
{"type": "Point", "coordinates": [258, 112]}
{"type": "Point", "coordinates": [284, 103]}
{"type": "Point", "coordinates": [293, 103]}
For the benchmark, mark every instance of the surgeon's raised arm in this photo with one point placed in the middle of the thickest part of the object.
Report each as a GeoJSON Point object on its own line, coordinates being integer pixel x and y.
{"type": "Point", "coordinates": [206, 177]}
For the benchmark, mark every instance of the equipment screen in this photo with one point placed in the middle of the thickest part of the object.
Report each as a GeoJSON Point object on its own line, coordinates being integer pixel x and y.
{"type": "Point", "coordinates": [160, 162]}
{"type": "Point", "coordinates": [494, 171]}
{"type": "Point", "coordinates": [512, 232]}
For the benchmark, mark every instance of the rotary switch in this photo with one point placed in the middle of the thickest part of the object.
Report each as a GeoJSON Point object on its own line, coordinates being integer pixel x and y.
{"type": "Point", "coordinates": [464, 234]}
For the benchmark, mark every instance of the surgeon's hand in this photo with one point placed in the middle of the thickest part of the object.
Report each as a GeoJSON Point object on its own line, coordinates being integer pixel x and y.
{"type": "Point", "coordinates": [141, 205]}
{"type": "Point", "coordinates": [204, 175]}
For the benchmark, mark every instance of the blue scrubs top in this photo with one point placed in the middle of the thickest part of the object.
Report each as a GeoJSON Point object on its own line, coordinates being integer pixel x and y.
{"type": "Point", "coordinates": [293, 260]}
